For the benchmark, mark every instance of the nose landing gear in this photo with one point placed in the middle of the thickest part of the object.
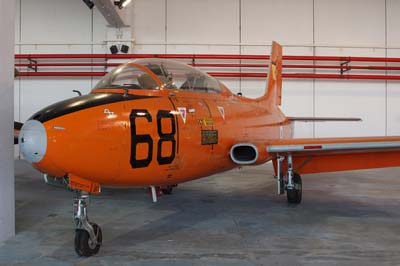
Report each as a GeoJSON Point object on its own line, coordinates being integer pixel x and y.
{"type": "Point", "coordinates": [88, 235]}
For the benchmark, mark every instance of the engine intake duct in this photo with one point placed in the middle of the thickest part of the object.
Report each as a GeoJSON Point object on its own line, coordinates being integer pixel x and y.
{"type": "Point", "coordinates": [244, 153]}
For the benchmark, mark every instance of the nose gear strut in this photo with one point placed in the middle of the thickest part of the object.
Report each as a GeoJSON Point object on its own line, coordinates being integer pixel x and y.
{"type": "Point", "coordinates": [88, 235]}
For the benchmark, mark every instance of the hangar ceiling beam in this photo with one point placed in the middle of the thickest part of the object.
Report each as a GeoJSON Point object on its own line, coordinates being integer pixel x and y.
{"type": "Point", "coordinates": [107, 9]}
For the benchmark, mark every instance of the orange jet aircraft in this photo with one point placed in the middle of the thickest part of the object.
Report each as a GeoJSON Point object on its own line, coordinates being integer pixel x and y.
{"type": "Point", "coordinates": [157, 123]}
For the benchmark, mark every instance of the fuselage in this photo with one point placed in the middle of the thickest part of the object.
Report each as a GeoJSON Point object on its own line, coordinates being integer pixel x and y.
{"type": "Point", "coordinates": [140, 137]}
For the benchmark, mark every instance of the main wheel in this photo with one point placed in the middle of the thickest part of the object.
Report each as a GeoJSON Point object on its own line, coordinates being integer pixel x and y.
{"type": "Point", "coordinates": [167, 190]}
{"type": "Point", "coordinates": [294, 194]}
{"type": "Point", "coordinates": [84, 246]}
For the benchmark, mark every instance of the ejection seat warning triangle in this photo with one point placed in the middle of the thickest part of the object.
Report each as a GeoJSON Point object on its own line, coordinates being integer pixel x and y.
{"type": "Point", "coordinates": [222, 111]}
{"type": "Point", "coordinates": [182, 111]}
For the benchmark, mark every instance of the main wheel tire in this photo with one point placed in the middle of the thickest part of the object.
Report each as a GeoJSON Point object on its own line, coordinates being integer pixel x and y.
{"type": "Point", "coordinates": [84, 246]}
{"type": "Point", "coordinates": [167, 190]}
{"type": "Point", "coordinates": [294, 195]}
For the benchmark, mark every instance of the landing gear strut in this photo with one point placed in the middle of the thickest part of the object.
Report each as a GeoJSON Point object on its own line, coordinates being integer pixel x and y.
{"type": "Point", "coordinates": [293, 185]}
{"type": "Point", "coordinates": [88, 236]}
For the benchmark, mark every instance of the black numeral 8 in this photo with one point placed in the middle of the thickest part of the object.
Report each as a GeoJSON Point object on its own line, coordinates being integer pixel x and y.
{"type": "Point", "coordinates": [146, 138]}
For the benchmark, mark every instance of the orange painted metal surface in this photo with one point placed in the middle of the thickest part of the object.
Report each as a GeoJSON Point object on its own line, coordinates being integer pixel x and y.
{"type": "Point", "coordinates": [99, 145]}
{"type": "Point", "coordinates": [79, 183]}
{"type": "Point", "coordinates": [308, 164]}
{"type": "Point", "coordinates": [171, 136]}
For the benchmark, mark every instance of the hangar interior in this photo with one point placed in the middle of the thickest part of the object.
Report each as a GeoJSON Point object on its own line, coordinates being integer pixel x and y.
{"type": "Point", "coordinates": [233, 218]}
{"type": "Point", "coordinates": [248, 27]}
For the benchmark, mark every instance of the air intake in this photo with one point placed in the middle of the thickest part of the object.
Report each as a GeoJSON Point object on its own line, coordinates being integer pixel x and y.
{"type": "Point", "coordinates": [244, 153]}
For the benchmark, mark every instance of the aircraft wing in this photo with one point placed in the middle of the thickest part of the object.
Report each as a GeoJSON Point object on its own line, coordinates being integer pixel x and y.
{"type": "Point", "coordinates": [324, 119]}
{"type": "Point", "coordinates": [316, 155]}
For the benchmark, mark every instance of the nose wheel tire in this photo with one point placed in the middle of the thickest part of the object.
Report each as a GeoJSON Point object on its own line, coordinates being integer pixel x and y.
{"type": "Point", "coordinates": [84, 246]}
{"type": "Point", "coordinates": [294, 194]}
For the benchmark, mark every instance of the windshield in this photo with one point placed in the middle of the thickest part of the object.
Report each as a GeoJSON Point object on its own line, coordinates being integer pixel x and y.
{"type": "Point", "coordinates": [149, 73]}
{"type": "Point", "coordinates": [175, 75]}
{"type": "Point", "coordinates": [128, 76]}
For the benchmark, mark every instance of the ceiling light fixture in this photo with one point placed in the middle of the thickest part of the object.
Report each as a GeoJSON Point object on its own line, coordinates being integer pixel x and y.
{"type": "Point", "coordinates": [89, 3]}
{"type": "Point", "coordinates": [122, 3]}
{"type": "Point", "coordinates": [126, 2]}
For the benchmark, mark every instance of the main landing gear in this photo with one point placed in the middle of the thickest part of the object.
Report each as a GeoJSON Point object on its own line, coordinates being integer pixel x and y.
{"type": "Point", "coordinates": [292, 183]}
{"type": "Point", "coordinates": [160, 190]}
{"type": "Point", "coordinates": [167, 190]}
{"type": "Point", "coordinates": [88, 235]}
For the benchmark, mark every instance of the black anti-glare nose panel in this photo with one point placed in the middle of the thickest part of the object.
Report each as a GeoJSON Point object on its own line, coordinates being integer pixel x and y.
{"type": "Point", "coordinates": [82, 102]}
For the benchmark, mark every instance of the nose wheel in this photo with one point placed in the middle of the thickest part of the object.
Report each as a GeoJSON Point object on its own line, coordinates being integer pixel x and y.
{"type": "Point", "coordinates": [88, 235]}
{"type": "Point", "coordinates": [84, 245]}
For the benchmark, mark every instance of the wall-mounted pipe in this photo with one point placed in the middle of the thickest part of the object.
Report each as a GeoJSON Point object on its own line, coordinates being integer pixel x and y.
{"type": "Point", "coordinates": [225, 75]}
{"type": "Point", "coordinates": [344, 67]}
{"type": "Point", "coordinates": [208, 56]}
{"type": "Point", "coordinates": [67, 64]}
{"type": "Point", "coordinates": [305, 76]}
{"type": "Point", "coordinates": [86, 60]}
{"type": "Point", "coordinates": [61, 74]}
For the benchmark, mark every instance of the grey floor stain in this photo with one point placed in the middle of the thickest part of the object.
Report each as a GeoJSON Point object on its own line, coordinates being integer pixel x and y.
{"type": "Point", "coordinates": [234, 218]}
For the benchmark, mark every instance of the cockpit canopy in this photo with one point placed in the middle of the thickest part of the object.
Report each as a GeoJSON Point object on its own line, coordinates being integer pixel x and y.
{"type": "Point", "coordinates": [155, 74]}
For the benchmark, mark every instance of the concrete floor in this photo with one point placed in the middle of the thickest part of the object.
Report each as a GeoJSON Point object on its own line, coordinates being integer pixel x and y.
{"type": "Point", "coordinates": [235, 218]}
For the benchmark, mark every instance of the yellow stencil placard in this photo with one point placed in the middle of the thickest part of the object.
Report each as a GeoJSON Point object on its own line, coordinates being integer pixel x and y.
{"type": "Point", "coordinates": [207, 122]}
{"type": "Point", "coordinates": [274, 74]}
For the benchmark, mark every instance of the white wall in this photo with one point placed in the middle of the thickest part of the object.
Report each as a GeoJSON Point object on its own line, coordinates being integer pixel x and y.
{"type": "Point", "coordinates": [7, 227]}
{"type": "Point", "coordinates": [304, 27]}
{"type": "Point", "coordinates": [54, 26]}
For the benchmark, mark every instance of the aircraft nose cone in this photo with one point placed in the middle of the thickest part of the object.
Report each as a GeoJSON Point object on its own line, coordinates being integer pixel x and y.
{"type": "Point", "coordinates": [33, 141]}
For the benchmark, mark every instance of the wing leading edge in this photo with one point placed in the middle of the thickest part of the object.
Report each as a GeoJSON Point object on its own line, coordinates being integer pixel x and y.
{"type": "Point", "coordinates": [324, 119]}
{"type": "Point", "coordinates": [338, 154]}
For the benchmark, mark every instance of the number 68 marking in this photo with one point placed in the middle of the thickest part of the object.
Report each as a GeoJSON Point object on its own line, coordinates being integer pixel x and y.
{"type": "Point", "coordinates": [147, 139]}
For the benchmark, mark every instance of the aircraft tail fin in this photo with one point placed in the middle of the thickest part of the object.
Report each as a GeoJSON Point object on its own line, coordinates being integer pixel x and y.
{"type": "Point", "coordinates": [273, 92]}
